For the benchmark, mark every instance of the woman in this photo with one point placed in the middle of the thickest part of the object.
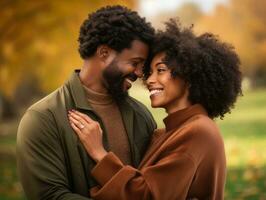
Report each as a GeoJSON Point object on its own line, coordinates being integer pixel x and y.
{"type": "Point", "coordinates": [195, 79]}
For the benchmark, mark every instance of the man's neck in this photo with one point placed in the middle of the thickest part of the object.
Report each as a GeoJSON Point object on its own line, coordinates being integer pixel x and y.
{"type": "Point", "coordinates": [91, 76]}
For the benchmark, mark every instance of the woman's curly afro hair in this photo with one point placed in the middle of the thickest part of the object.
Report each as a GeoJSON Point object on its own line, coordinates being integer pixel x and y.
{"type": "Point", "coordinates": [115, 26]}
{"type": "Point", "coordinates": [209, 66]}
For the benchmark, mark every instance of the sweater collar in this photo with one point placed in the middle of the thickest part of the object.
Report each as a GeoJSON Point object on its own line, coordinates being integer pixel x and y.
{"type": "Point", "coordinates": [98, 98]}
{"type": "Point", "coordinates": [80, 95]}
{"type": "Point", "coordinates": [177, 118]}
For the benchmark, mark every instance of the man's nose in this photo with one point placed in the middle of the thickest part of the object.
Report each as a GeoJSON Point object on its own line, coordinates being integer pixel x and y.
{"type": "Point", "coordinates": [138, 71]}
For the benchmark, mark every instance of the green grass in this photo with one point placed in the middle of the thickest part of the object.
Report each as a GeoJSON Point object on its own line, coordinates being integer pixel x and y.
{"type": "Point", "coordinates": [244, 132]}
{"type": "Point", "coordinates": [10, 188]}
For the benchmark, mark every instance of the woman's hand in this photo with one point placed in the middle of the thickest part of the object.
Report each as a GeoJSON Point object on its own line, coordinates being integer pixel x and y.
{"type": "Point", "coordinates": [89, 133]}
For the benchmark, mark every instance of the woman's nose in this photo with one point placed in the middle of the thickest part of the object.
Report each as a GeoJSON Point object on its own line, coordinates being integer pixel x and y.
{"type": "Point", "coordinates": [151, 79]}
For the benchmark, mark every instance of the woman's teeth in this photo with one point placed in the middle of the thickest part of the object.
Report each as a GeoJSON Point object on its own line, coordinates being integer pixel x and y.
{"type": "Point", "coordinates": [152, 92]}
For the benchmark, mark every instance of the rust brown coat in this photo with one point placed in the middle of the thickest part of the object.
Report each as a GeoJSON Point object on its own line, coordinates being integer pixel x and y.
{"type": "Point", "coordinates": [187, 161]}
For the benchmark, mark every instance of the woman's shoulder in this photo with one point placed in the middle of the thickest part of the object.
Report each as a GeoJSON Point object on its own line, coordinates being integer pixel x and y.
{"type": "Point", "coordinates": [199, 131]}
{"type": "Point", "coordinates": [201, 137]}
{"type": "Point", "coordinates": [205, 132]}
{"type": "Point", "coordinates": [203, 125]}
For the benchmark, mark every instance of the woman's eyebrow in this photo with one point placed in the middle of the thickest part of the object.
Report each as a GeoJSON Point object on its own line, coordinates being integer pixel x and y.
{"type": "Point", "coordinates": [159, 63]}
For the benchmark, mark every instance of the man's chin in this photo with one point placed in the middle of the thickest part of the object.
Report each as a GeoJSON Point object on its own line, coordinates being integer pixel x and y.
{"type": "Point", "coordinates": [119, 94]}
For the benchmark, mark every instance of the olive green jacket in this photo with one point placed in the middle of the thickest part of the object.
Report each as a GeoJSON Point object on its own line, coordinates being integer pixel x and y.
{"type": "Point", "coordinates": [52, 163]}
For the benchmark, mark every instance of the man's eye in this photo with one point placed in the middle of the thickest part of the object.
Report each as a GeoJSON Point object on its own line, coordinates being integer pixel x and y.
{"type": "Point", "coordinates": [138, 64]}
{"type": "Point", "coordinates": [135, 64]}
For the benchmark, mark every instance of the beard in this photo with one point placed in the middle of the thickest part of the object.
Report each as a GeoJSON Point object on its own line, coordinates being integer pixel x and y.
{"type": "Point", "coordinates": [114, 81]}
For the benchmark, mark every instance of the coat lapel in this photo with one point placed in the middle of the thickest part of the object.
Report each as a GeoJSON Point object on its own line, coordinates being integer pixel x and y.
{"type": "Point", "coordinates": [127, 114]}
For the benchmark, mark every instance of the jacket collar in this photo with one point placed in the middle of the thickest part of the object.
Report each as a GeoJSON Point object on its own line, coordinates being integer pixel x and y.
{"type": "Point", "coordinates": [80, 100]}
{"type": "Point", "coordinates": [77, 91]}
{"type": "Point", "coordinates": [177, 118]}
{"type": "Point", "coordinates": [79, 96]}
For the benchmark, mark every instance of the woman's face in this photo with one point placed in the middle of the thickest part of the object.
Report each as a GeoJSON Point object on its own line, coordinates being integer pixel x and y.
{"type": "Point", "coordinates": [166, 91]}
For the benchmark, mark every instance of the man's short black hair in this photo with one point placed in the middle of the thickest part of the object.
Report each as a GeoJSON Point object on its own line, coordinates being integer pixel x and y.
{"type": "Point", "coordinates": [209, 66]}
{"type": "Point", "coordinates": [115, 26]}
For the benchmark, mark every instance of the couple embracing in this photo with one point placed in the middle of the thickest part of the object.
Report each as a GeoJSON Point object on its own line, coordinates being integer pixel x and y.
{"type": "Point", "coordinates": [90, 140]}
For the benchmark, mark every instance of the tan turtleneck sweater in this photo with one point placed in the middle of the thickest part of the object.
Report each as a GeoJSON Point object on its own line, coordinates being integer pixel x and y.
{"type": "Point", "coordinates": [108, 111]}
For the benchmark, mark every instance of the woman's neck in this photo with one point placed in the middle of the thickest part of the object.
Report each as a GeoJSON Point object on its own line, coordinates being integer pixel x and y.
{"type": "Point", "coordinates": [176, 106]}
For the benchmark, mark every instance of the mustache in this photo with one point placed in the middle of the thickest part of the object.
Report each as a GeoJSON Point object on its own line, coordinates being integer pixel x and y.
{"type": "Point", "coordinates": [131, 77]}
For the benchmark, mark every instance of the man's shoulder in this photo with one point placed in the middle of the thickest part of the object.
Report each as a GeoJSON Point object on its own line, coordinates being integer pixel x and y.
{"type": "Point", "coordinates": [42, 113]}
{"type": "Point", "coordinates": [50, 102]}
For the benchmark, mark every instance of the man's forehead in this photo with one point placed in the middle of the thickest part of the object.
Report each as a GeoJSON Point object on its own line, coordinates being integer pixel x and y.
{"type": "Point", "coordinates": [138, 44]}
{"type": "Point", "coordinates": [137, 50]}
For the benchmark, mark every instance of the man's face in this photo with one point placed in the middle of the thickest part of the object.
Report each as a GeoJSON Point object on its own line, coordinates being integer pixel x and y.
{"type": "Point", "coordinates": [124, 69]}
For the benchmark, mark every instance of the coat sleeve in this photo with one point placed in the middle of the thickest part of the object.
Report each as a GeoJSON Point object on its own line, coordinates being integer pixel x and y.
{"type": "Point", "coordinates": [167, 179]}
{"type": "Point", "coordinates": [40, 159]}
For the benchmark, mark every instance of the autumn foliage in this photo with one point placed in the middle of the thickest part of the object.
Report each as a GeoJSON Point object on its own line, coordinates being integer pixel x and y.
{"type": "Point", "coordinates": [39, 41]}
{"type": "Point", "coordinates": [39, 38]}
{"type": "Point", "coordinates": [242, 23]}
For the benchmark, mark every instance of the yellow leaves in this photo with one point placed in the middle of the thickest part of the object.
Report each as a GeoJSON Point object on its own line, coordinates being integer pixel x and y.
{"type": "Point", "coordinates": [8, 49]}
{"type": "Point", "coordinates": [46, 49]}
{"type": "Point", "coordinates": [251, 174]}
{"type": "Point", "coordinates": [242, 23]}
{"type": "Point", "coordinates": [244, 153]}
{"type": "Point", "coordinates": [39, 38]}
{"type": "Point", "coordinates": [254, 158]}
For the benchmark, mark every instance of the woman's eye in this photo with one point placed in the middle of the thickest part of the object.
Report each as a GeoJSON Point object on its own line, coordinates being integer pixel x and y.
{"type": "Point", "coordinates": [160, 70]}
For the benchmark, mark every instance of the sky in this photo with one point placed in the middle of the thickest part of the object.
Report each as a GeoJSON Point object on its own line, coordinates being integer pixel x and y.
{"type": "Point", "coordinates": [151, 7]}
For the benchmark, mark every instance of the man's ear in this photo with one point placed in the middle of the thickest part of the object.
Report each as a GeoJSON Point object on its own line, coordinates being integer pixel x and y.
{"type": "Point", "coordinates": [103, 51]}
{"type": "Point", "coordinates": [105, 54]}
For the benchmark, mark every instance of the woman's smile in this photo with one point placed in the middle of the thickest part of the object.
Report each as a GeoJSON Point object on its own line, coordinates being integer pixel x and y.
{"type": "Point", "coordinates": [165, 90]}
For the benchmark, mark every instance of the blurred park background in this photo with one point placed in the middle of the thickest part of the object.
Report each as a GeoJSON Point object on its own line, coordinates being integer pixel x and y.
{"type": "Point", "coordinates": [38, 51]}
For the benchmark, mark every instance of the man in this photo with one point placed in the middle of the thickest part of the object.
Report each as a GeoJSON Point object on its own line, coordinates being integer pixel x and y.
{"type": "Point", "coordinates": [52, 163]}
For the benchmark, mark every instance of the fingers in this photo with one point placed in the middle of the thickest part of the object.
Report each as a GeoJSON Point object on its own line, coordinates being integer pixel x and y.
{"type": "Point", "coordinates": [85, 117]}
{"type": "Point", "coordinates": [81, 120]}
{"type": "Point", "coordinates": [76, 122]}
{"type": "Point", "coordinates": [77, 119]}
{"type": "Point", "coordinates": [76, 129]}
